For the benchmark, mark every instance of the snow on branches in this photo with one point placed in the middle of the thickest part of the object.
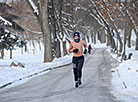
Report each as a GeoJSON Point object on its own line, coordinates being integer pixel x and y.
{"type": "Point", "coordinates": [6, 22]}
{"type": "Point", "coordinates": [7, 39]}
{"type": "Point", "coordinates": [35, 8]}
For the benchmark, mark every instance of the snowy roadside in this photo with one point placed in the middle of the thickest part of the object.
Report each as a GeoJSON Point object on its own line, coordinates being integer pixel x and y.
{"type": "Point", "coordinates": [125, 78]}
{"type": "Point", "coordinates": [10, 75]}
{"type": "Point", "coordinates": [34, 66]}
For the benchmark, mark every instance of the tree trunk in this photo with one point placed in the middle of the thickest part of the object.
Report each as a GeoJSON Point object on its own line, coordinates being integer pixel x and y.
{"type": "Point", "coordinates": [103, 40]}
{"type": "Point", "coordinates": [136, 39]}
{"type": "Point", "coordinates": [129, 41]}
{"type": "Point", "coordinates": [108, 41]}
{"type": "Point", "coordinates": [2, 53]}
{"type": "Point", "coordinates": [58, 54]}
{"type": "Point", "coordinates": [108, 37]}
{"type": "Point", "coordinates": [98, 36]}
{"type": "Point", "coordinates": [39, 45]}
{"type": "Point", "coordinates": [10, 54]}
{"type": "Point", "coordinates": [114, 45]}
{"type": "Point", "coordinates": [64, 48]}
{"type": "Point", "coordinates": [94, 38]}
{"type": "Point", "coordinates": [118, 35]}
{"type": "Point", "coordinates": [88, 39]}
{"type": "Point", "coordinates": [61, 27]}
{"type": "Point", "coordinates": [53, 27]}
{"type": "Point", "coordinates": [25, 49]}
{"type": "Point", "coordinates": [43, 4]}
{"type": "Point", "coordinates": [137, 43]}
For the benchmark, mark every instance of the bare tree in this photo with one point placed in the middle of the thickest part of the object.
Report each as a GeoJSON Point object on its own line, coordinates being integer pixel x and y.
{"type": "Point", "coordinates": [41, 12]}
{"type": "Point", "coordinates": [43, 7]}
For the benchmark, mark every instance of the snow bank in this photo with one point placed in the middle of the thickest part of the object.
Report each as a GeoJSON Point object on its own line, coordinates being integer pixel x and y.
{"type": "Point", "coordinates": [125, 78]}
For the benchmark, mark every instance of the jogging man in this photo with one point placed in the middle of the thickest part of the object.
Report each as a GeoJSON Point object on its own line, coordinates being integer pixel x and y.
{"type": "Point", "coordinates": [76, 47]}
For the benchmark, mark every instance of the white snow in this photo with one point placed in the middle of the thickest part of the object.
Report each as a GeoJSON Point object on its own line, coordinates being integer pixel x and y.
{"type": "Point", "coordinates": [35, 8]}
{"type": "Point", "coordinates": [98, 45]}
{"type": "Point", "coordinates": [80, 7]}
{"type": "Point", "coordinates": [133, 35]}
{"type": "Point", "coordinates": [7, 31]}
{"type": "Point", "coordinates": [125, 78]}
{"type": "Point", "coordinates": [5, 21]}
{"type": "Point", "coordinates": [66, 13]}
{"type": "Point", "coordinates": [12, 36]}
{"type": "Point", "coordinates": [33, 61]}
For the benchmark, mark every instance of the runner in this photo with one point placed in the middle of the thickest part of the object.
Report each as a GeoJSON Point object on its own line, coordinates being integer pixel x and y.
{"type": "Point", "coordinates": [89, 49]}
{"type": "Point", "coordinates": [76, 47]}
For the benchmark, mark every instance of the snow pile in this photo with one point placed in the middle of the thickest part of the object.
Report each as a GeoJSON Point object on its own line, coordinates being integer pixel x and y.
{"type": "Point", "coordinates": [125, 78]}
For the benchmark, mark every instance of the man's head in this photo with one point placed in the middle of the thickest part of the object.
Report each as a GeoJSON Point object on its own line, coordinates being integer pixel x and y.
{"type": "Point", "coordinates": [76, 34]}
{"type": "Point", "coordinates": [76, 37]}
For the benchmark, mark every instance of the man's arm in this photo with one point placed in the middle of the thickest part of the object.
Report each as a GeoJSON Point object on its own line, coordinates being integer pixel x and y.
{"type": "Point", "coordinates": [70, 48]}
{"type": "Point", "coordinates": [84, 44]}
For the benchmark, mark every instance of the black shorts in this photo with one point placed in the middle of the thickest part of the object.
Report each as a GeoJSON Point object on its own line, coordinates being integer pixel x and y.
{"type": "Point", "coordinates": [78, 62]}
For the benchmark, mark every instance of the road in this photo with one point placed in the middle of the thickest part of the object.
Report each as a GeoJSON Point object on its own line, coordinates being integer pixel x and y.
{"type": "Point", "coordinates": [58, 84]}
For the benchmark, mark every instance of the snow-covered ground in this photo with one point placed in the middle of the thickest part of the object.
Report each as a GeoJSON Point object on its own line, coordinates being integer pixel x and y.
{"type": "Point", "coordinates": [125, 78]}
{"type": "Point", "coordinates": [33, 61]}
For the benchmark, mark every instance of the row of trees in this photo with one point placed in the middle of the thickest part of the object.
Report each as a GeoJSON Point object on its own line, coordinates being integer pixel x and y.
{"type": "Point", "coordinates": [58, 19]}
{"type": "Point", "coordinates": [118, 14]}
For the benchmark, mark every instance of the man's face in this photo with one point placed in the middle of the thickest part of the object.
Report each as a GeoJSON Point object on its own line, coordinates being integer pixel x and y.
{"type": "Point", "coordinates": [76, 37]}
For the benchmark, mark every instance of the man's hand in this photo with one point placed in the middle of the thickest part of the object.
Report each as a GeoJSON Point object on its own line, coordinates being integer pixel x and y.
{"type": "Point", "coordinates": [85, 51]}
{"type": "Point", "coordinates": [75, 51]}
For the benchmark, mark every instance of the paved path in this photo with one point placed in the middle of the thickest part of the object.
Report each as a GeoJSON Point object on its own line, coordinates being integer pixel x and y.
{"type": "Point", "coordinates": [58, 85]}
